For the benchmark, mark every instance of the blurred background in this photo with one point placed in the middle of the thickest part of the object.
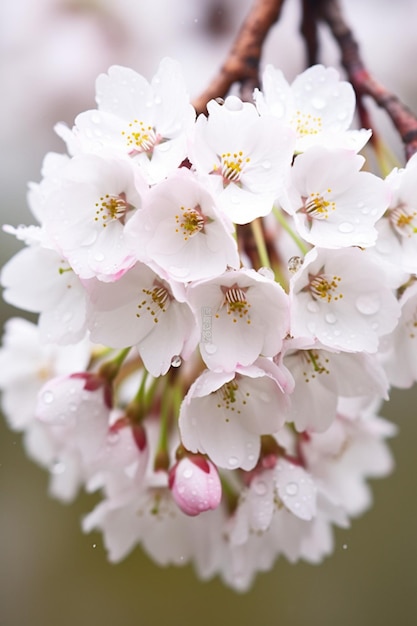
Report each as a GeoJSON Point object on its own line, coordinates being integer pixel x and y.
{"type": "Point", "coordinates": [50, 573]}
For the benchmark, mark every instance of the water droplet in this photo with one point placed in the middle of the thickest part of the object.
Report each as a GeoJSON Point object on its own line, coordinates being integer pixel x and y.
{"type": "Point", "coordinates": [266, 165]}
{"type": "Point", "coordinates": [308, 86]}
{"type": "Point", "coordinates": [345, 227]}
{"type": "Point", "coordinates": [94, 545]}
{"type": "Point", "coordinates": [113, 437]}
{"type": "Point", "coordinates": [58, 467]}
{"type": "Point", "coordinates": [48, 397]}
{"type": "Point", "coordinates": [158, 100]}
{"type": "Point", "coordinates": [368, 304]}
{"type": "Point", "coordinates": [188, 472]}
{"type": "Point", "coordinates": [294, 264]}
{"type": "Point", "coordinates": [260, 487]}
{"type": "Point", "coordinates": [266, 272]}
{"type": "Point", "coordinates": [291, 489]}
{"type": "Point", "coordinates": [99, 256]}
{"type": "Point", "coordinates": [313, 306]}
{"type": "Point", "coordinates": [235, 199]}
{"type": "Point", "coordinates": [233, 461]}
{"type": "Point", "coordinates": [233, 103]}
{"type": "Point", "coordinates": [73, 407]}
{"type": "Point", "coordinates": [344, 546]}
{"type": "Point", "coordinates": [210, 348]}
{"type": "Point", "coordinates": [318, 103]}
{"type": "Point", "coordinates": [330, 318]}
{"type": "Point", "coordinates": [342, 115]}
{"type": "Point", "coordinates": [176, 361]}
{"type": "Point", "coordinates": [95, 118]}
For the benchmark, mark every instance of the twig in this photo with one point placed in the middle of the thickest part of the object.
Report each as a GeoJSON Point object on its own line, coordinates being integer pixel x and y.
{"type": "Point", "coordinates": [364, 84]}
{"type": "Point", "coordinates": [242, 64]}
{"type": "Point", "coordinates": [308, 29]}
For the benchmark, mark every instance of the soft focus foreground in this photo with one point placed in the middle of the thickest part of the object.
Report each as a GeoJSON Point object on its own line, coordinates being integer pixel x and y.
{"type": "Point", "coordinates": [266, 316]}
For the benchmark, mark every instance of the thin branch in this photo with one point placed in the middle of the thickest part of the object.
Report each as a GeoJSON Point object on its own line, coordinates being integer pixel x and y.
{"type": "Point", "coordinates": [364, 84]}
{"type": "Point", "coordinates": [308, 29]}
{"type": "Point", "coordinates": [242, 64]}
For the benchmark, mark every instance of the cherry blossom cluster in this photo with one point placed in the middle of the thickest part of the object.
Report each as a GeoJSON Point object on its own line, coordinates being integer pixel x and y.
{"type": "Point", "coordinates": [224, 302]}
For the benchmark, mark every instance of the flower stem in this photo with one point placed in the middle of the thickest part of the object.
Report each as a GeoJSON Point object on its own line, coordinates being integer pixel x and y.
{"type": "Point", "coordinates": [283, 222]}
{"type": "Point", "coordinates": [258, 234]}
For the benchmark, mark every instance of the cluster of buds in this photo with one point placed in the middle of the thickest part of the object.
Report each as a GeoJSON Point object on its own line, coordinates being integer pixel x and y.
{"type": "Point", "coordinates": [224, 303]}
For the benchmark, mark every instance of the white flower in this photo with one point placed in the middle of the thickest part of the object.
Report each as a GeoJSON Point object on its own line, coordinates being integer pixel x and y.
{"type": "Point", "coordinates": [399, 349]}
{"type": "Point", "coordinates": [147, 121]}
{"type": "Point", "coordinates": [318, 106]}
{"type": "Point", "coordinates": [402, 212]}
{"type": "Point", "coordinates": [179, 232]}
{"type": "Point", "coordinates": [340, 298]}
{"type": "Point", "coordinates": [85, 215]}
{"type": "Point", "coordinates": [140, 309]}
{"type": "Point", "coordinates": [223, 415]}
{"type": "Point", "coordinates": [334, 204]}
{"type": "Point", "coordinates": [39, 280]}
{"type": "Point", "coordinates": [245, 158]}
{"type": "Point", "coordinates": [322, 375]}
{"type": "Point", "coordinates": [26, 364]}
{"type": "Point", "coordinates": [242, 315]}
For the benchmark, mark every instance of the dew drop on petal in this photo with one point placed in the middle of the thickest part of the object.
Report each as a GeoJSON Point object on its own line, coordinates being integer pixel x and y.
{"type": "Point", "coordinates": [113, 437]}
{"type": "Point", "coordinates": [235, 199]}
{"type": "Point", "coordinates": [330, 318]}
{"type": "Point", "coordinates": [210, 348]}
{"type": "Point", "coordinates": [188, 472]}
{"type": "Point", "coordinates": [233, 103]}
{"type": "Point", "coordinates": [294, 264]}
{"type": "Point", "coordinates": [291, 489]}
{"type": "Point", "coordinates": [233, 461]}
{"type": "Point", "coordinates": [345, 227]}
{"type": "Point", "coordinates": [158, 100]}
{"type": "Point", "coordinates": [266, 272]}
{"type": "Point", "coordinates": [260, 487]}
{"type": "Point", "coordinates": [313, 307]}
{"type": "Point", "coordinates": [318, 103]}
{"type": "Point", "coordinates": [48, 397]}
{"type": "Point", "coordinates": [266, 165]}
{"type": "Point", "coordinates": [176, 361]}
{"type": "Point", "coordinates": [368, 304]}
{"type": "Point", "coordinates": [164, 146]}
{"type": "Point", "coordinates": [99, 256]}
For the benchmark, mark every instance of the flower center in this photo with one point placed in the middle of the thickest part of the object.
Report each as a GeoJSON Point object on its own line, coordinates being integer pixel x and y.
{"type": "Point", "coordinates": [324, 287]}
{"type": "Point", "coordinates": [110, 208]}
{"type": "Point", "coordinates": [236, 302]}
{"type": "Point", "coordinates": [191, 222]}
{"type": "Point", "coordinates": [232, 166]}
{"type": "Point", "coordinates": [317, 207]}
{"type": "Point", "coordinates": [230, 398]}
{"type": "Point", "coordinates": [314, 364]}
{"type": "Point", "coordinates": [140, 137]}
{"type": "Point", "coordinates": [306, 124]}
{"type": "Point", "coordinates": [403, 220]}
{"type": "Point", "coordinates": [158, 301]}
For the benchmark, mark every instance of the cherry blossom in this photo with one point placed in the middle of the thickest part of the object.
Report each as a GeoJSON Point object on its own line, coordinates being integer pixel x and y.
{"type": "Point", "coordinates": [179, 232]}
{"type": "Point", "coordinates": [224, 414]}
{"type": "Point", "coordinates": [249, 316]}
{"type": "Point", "coordinates": [334, 204]}
{"type": "Point", "coordinates": [235, 151]}
{"type": "Point", "coordinates": [147, 121]}
{"type": "Point", "coordinates": [195, 485]}
{"type": "Point", "coordinates": [340, 298]}
{"type": "Point", "coordinates": [318, 105]}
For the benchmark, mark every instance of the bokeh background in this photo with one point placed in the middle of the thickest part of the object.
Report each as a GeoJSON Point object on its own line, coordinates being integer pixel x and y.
{"type": "Point", "coordinates": [50, 573]}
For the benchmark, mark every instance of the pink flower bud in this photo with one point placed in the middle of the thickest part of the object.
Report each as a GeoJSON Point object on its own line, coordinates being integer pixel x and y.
{"type": "Point", "coordinates": [195, 485]}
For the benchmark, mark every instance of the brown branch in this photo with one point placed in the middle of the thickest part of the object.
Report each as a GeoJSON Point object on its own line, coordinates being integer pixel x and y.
{"type": "Point", "coordinates": [308, 29]}
{"type": "Point", "coordinates": [364, 84]}
{"type": "Point", "coordinates": [242, 64]}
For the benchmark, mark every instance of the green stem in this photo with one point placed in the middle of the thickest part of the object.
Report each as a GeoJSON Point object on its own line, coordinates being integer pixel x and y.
{"type": "Point", "coordinates": [257, 231]}
{"type": "Point", "coordinates": [281, 219]}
